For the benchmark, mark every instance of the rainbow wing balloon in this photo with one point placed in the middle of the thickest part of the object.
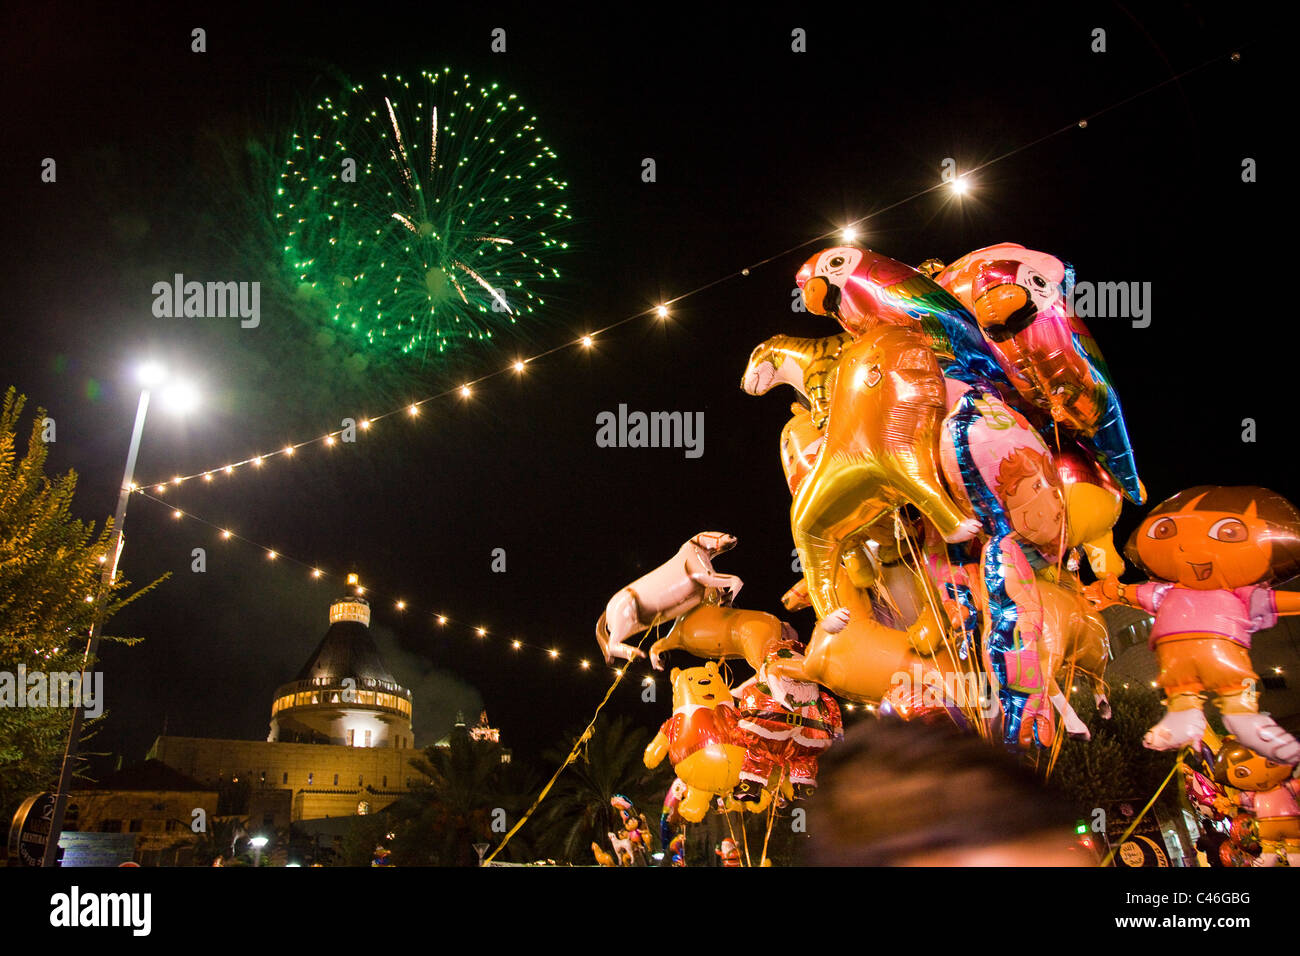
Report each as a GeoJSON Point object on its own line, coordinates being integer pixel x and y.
{"type": "Point", "coordinates": [861, 288]}
{"type": "Point", "coordinates": [1018, 297]}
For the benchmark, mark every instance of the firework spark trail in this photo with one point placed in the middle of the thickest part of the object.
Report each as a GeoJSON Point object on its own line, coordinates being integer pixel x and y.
{"type": "Point", "coordinates": [402, 261]}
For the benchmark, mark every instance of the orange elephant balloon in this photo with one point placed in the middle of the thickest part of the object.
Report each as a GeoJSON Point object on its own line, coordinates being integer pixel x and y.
{"type": "Point", "coordinates": [880, 452]}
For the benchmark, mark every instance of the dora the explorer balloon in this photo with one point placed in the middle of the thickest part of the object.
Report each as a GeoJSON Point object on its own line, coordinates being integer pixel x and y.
{"type": "Point", "coordinates": [1213, 551]}
{"type": "Point", "coordinates": [1265, 789]}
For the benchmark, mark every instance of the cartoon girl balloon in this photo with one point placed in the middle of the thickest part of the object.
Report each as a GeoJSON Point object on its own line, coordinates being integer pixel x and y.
{"type": "Point", "coordinates": [1006, 476]}
{"type": "Point", "coordinates": [1212, 553]}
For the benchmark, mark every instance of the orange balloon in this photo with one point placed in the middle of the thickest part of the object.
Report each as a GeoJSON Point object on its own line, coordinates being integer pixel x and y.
{"type": "Point", "coordinates": [880, 452]}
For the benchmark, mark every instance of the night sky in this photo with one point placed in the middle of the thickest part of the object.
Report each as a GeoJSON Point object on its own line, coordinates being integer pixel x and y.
{"type": "Point", "coordinates": [758, 150]}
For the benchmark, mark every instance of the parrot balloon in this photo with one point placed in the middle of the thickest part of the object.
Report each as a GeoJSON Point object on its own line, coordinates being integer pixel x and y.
{"type": "Point", "coordinates": [1020, 301]}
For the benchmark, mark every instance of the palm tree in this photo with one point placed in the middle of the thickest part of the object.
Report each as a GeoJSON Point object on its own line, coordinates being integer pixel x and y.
{"type": "Point", "coordinates": [577, 812]}
{"type": "Point", "coordinates": [470, 793]}
{"type": "Point", "coordinates": [218, 840]}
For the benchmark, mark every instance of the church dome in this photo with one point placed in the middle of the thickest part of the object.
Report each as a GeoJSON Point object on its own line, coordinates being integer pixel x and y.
{"type": "Point", "coordinates": [347, 649]}
{"type": "Point", "coordinates": [345, 694]}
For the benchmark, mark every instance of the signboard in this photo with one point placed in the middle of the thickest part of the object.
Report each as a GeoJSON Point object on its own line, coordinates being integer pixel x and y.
{"type": "Point", "coordinates": [1145, 846]}
{"type": "Point", "coordinates": [30, 830]}
{"type": "Point", "coordinates": [97, 849]}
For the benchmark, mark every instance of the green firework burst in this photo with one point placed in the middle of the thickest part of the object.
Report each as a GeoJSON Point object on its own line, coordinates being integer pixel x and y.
{"type": "Point", "coordinates": [422, 214]}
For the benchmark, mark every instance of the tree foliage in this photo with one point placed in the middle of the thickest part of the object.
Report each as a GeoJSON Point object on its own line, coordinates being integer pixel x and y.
{"type": "Point", "coordinates": [51, 564]}
{"type": "Point", "coordinates": [470, 797]}
{"type": "Point", "coordinates": [1114, 765]}
{"type": "Point", "coordinates": [577, 812]}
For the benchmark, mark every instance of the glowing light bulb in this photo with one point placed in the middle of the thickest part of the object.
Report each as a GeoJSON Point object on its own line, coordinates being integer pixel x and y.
{"type": "Point", "coordinates": [207, 476]}
{"type": "Point", "coordinates": [516, 645]}
{"type": "Point", "coordinates": [586, 341]}
{"type": "Point", "coordinates": [365, 423]}
{"type": "Point", "coordinates": [288, 449]}
{"type": "Point", "coordinates": [315, 572]}
{"type": "Point", "coordinates": [413, 411]}
{"type": "Point", "coordinates": [464, 391]}
{"type": "Point", "coordinates": [272, 555]}
{"type": "Point", "coordinates": [554, 653]}
{"type": "Point", "coordinates": [176, 514]}
{"type": "Point", "coordinates": [329, 439]}
{"type": "Point", "coordinates": [960, 186]}
{"type": "Point", "coordinates": [401, 605]}
{"type": "Point", "coordinates": [661, 311]}
{"type": "Point", "coordinates": [519, 366]}
{"type": "Point", "coordinates": [850, 234]}
{"type": "Point", "coordinates": [160, 489]}
{"type": "Point", "coordinates": [441, 619]}
{"type": "Point", "coordinates": [225, 534]}
{"type": "Point", "coordinates": [229, 469]}
{"type": "Point", "coordinates": [257, 462]}
{"type": "Point", "coordinates": [481, 632]}
{"type": "Point", "coordinates": [586, 664]}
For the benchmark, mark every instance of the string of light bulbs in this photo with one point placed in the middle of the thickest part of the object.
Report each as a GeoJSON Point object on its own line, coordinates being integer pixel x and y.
{"type": "Point", "coordinates": [315, 572]}
{"type": "Point", "coordinates": [958, 184]}
{"type": "Point", "coordinates": [440, 618]}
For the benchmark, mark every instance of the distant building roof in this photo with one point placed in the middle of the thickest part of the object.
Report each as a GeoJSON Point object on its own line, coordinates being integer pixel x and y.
{"type": "Point", "coordinates": [149, 775]}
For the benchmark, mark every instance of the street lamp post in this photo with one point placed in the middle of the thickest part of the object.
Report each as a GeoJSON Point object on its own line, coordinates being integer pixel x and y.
{"type": "Point", "coordinates": [150, 376]}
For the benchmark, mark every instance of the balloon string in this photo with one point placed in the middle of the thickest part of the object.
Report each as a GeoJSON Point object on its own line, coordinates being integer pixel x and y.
{"type": "Point", "coordinates": [975, 655]}
{"type": "Point", "coordinates": [744, 835]}
{"type": "Point", "coordinates": [1060, 721]}
{"type": "Point", "coordinates": [1065, 510]}
{"type": "Point", "coordinates": [940, 616]}
{"type": "Point", "coordinates": [577, 747]}
{"type": "Point", "coordinates": [726, 815]}
{"type": "Point", "coordinates": [771, 814]}
{"type": "Point", "coordinates": [1138, 819]}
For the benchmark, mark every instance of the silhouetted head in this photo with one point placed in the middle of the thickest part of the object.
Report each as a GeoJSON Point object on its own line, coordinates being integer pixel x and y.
{"type": "Point", "coordinates": [911, 794]}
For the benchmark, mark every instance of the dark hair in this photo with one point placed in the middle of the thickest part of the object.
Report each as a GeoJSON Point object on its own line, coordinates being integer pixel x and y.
{"type": "Point", "coordinates": [1231, 752]}
{"type": "Point", "coordinates": [892, 790]}
{"type": "Point", "coordinates": [1279, 516]}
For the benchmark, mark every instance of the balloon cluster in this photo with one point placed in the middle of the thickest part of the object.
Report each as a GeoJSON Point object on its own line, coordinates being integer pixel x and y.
{"type": "Point", "coordinates": [953, 446]}
{"type": "Point", "coordinates": [1248, 804]}
{"type": "Point", "coordinates": [957, 453]}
